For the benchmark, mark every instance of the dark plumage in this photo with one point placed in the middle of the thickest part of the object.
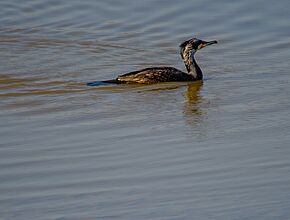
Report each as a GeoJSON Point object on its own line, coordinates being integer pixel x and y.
{"type": "Point", "coordinates": [154, 75]}
{"type": "Point", "coordinates": [168, 74]}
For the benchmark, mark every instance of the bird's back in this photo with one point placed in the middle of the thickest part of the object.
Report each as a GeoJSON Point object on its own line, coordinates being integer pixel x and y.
{"type": "Point", "coordinates": [155, 75]}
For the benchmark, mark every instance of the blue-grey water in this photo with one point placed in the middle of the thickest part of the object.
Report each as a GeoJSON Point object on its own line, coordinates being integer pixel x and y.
{"type": "Point", "coordinates": [214, 150]}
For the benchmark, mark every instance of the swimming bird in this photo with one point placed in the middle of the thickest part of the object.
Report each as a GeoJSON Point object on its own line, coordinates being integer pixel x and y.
{"type": "Point", "coordinates": [167, 74]}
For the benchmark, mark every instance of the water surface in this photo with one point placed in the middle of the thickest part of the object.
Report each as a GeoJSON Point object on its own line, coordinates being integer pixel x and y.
{"type": "Point", "coordinates": [217, 149]}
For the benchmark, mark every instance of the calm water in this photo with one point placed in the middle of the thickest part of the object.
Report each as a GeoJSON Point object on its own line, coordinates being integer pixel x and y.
{"type": "Point", "coordinates": [212, 150]}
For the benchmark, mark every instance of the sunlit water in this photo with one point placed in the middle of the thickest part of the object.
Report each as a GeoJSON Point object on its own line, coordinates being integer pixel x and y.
{"type": "Point", "coordinates": [217, 149]}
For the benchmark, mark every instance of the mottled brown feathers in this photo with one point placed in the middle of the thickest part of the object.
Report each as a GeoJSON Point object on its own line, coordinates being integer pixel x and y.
{"type": "Point", "coordinates": [155, 75]}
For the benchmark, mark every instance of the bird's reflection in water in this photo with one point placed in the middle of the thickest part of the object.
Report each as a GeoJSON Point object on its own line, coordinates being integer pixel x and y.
{"type": "Point", "coordinates": [192, 111]}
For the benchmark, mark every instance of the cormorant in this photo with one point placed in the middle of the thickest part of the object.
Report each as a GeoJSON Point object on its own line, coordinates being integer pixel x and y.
{"type": "Point", "coordinates": [167, 74]}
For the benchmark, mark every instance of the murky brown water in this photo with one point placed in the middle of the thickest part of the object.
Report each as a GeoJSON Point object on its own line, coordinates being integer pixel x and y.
{"type": "Point", "coordinates": [212, 150]}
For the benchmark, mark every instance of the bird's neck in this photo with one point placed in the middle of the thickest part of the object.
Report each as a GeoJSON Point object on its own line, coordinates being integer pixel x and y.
{"type": "Point", "coordinates": [192, 67]}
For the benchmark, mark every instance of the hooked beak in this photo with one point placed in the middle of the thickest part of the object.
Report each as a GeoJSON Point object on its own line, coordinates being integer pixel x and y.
{"type": "Point", "coordinates": [206, 43]}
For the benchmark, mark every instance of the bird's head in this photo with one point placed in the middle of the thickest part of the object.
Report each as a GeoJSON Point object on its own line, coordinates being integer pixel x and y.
{"type": "Point", "coordinates": [192, 45]}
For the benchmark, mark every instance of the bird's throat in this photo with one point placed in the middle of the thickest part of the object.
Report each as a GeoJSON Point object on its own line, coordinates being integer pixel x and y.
{"type": "Point", "coordinates": [192, 67]}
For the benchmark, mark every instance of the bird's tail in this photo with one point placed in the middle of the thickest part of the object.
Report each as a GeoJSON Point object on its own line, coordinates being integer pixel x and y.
{"type": "Point", "coordinates": [105, 82]}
